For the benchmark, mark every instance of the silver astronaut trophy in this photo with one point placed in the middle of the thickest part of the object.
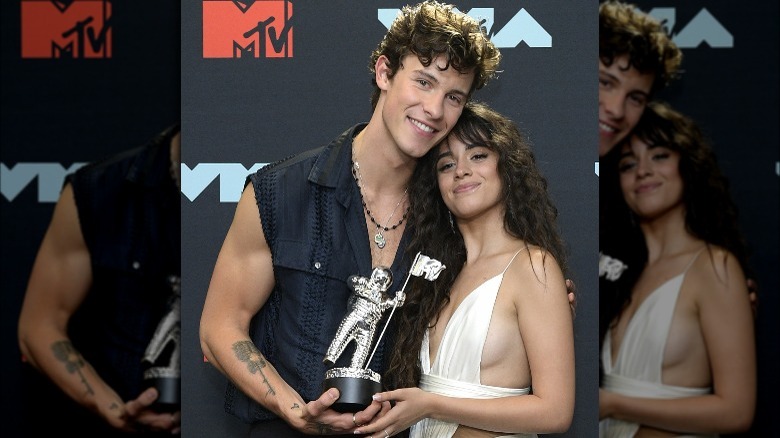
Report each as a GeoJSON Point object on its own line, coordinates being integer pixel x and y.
{"type": "Point", "coordinates": [162, 355]}
{"type": "Point", "coordinates": [357, 383]}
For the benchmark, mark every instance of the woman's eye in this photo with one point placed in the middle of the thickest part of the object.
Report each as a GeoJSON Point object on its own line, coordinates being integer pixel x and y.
{"type": "Point", "coordinates": [445, 166]}
{"type": "Point", "coordinates": [627, 165]}
{"type": "Point", "coordinates": [661, 156]}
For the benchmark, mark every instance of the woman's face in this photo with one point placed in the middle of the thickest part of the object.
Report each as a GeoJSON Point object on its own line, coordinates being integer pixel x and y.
{"type": "Point", "coordinates": [468, 178]}
{"type": "Point", "coordinates": [650, 178]}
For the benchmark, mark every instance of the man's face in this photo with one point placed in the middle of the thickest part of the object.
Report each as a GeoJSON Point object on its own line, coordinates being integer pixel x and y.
{"type": "Point", "coordinates": [623, 96]}
{"type": "Point", "coordinates": [422, 104]}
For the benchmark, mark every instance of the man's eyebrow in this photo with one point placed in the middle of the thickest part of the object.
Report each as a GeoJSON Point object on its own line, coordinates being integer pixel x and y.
{"type": "Point", "coordinates": [642, 92]}
{"type": "Point", "coordinates": [609, 75]}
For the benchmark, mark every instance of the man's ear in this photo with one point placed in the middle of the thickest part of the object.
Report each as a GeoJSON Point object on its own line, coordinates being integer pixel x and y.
{"type": "Point", "coordinates": [382, 75]}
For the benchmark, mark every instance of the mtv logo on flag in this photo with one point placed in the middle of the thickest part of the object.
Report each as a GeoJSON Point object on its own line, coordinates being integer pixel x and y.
{"type": "Point", "coordinates": [247, 29]}
{"type": "Point", "coordinates": [66, 28]}
{"type": "Point", "coordinates": [424, 265]}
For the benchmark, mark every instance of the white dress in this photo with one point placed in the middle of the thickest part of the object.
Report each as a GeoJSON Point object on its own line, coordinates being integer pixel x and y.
{"type": "Point", "coordinates": [456, 370]}
{"type": "Point", "coordinates": [637, 369]}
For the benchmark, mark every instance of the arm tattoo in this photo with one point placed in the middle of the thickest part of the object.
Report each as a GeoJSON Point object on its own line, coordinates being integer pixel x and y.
{"type": "Point", "coordinates": [67, 354]}
{"type": "Point", "coordinates": [255, 362]}
{"type": "Point", "coordinates": [295, 406]}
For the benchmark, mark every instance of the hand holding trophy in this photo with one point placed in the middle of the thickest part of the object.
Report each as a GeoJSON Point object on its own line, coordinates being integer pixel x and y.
{"type": "Point", "coordinates": [357, 383]}
{"type": "Point", "coordinates": [162, 354]}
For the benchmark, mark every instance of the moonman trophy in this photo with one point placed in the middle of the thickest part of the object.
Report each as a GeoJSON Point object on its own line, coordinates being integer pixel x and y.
{"type": "Point", "coordinates": [162, 355]}
{"type": "Point", "coordinates": [357, 383]}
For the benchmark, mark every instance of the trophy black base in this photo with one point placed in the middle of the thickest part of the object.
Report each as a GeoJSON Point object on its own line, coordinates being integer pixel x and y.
{"type": "Point", "coordinates": [169, 393]}
{"type": "Point", "coordinates": [356, 387]}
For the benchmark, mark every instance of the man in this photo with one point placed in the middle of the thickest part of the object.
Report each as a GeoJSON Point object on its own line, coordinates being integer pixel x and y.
{"type": "Point", "coordinates": [637, 58]}
{"type": "Point", "coordinates": [279, 288]}
{"type": "Point", "coordinates": [105, 275]}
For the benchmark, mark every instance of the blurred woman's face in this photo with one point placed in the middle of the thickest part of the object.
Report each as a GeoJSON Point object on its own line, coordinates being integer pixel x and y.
{"type": "Point", "coordinates": [650, 178]}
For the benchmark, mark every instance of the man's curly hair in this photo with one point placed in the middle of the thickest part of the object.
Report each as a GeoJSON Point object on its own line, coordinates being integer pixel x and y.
{"type": "Point", "coordinates": [431, 29]}
{"type": "Point", "coordinates": [625, 30]}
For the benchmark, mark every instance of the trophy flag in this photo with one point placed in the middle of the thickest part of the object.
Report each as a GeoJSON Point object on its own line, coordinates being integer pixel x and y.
{"type": "Point", "coordinates": [422, 265]}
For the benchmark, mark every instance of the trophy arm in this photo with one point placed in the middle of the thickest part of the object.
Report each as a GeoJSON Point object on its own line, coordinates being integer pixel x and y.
{"type": "Point", "coordinates": [400, 298]}
{"type": "Point", "coordinates": [167, 331]}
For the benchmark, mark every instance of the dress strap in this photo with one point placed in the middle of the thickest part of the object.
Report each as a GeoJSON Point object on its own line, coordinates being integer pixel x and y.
{"type": "Point", "coordinates": [693, 259]}
{"type": "Point", "coordinates": [513, 259]}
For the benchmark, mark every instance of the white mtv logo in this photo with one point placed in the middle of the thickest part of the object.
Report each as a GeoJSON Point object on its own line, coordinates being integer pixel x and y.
{"type": "Point", "coordinates": [703, 28]}
{"type": "Point", "coordinates": [522, 27]}
{"type": "Point", "coordinates": [51, 176]}
{"type": "Point", "coordinates": [231, 179]}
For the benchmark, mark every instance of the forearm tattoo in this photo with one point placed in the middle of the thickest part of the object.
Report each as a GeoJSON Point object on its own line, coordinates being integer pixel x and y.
{"type": "Point", "coordinates": [255, 362]}
{"type": "Point", "coordinates": [67, 354]}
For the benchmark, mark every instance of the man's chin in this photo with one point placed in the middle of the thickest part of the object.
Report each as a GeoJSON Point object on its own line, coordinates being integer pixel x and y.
{"type": "Point", "coordinates": [604, 148]}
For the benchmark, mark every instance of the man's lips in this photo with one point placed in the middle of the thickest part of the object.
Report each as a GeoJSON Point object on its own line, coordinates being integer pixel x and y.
{"type": "Point", "coordinates": [422, 126]}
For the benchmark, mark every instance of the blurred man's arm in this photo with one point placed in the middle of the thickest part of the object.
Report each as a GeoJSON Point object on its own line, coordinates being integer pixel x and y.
{"type": "Point", "coordinates": [59, 283]}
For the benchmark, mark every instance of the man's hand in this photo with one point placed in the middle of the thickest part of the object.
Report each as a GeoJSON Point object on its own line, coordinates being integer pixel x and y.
{"type": "Point", "coordinates": [320, 419]}
{"type": "Point", "coordinates": [139, 417]}
{"type": "Point", "coordinates": [570, 289]}
{"type": "Point", "coordinates": [753, 295]}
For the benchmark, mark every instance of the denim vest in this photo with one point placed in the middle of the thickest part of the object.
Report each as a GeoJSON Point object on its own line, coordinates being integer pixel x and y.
{"type": "Point", "coordinates": [129, 212]}
{"type": "Point", "coordinates": [314, 224]}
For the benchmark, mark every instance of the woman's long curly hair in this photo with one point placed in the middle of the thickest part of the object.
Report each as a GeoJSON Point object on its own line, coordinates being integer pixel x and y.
{"type": "Point", "coordinates": [710, 212]}
{"type": "Point", "coordinates": [529, 214]}
{"type": "Point", "coordinates": [430, 29]}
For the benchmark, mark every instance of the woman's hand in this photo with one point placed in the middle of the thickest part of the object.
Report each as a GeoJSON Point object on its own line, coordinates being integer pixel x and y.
{"type": "Point", "coordinates": [411, 405]}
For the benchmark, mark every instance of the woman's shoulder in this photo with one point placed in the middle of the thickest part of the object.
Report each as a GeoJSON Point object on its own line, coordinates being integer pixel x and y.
{"type": "Point", "coordinates": [717, 268]}
{"type": "Point", "coordinates": [715, 259]}
{"type": "Point", "coordinates": [532, 262]}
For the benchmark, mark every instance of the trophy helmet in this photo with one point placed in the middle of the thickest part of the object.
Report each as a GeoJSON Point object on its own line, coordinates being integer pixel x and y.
{"type": "Point", "coordinates": [382, 277]}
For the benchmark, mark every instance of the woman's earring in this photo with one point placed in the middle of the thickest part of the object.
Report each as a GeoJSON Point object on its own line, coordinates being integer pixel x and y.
{"type": "Point", "coordinates": [452, 223]}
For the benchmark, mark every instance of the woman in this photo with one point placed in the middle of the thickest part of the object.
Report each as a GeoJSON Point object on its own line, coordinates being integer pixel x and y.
{"type": "Point", "coordinates": [678, 352]}
{"type": "Point", "coordinates": [490, 341]}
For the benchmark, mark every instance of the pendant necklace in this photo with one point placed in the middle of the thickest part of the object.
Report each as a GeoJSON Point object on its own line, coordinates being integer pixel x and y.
{"type": "Point", "coordinates": [379, 238]}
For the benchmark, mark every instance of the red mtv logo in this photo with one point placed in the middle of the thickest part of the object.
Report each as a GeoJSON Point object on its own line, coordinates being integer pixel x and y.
{"type": "Point", "coordinates": [66, 29]}
{"type": "Point", "coordinates": [247, 28]}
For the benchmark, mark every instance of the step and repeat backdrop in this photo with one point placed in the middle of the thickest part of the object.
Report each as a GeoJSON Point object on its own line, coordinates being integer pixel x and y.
{"type": "Point", "coordinates": [262, 80]}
